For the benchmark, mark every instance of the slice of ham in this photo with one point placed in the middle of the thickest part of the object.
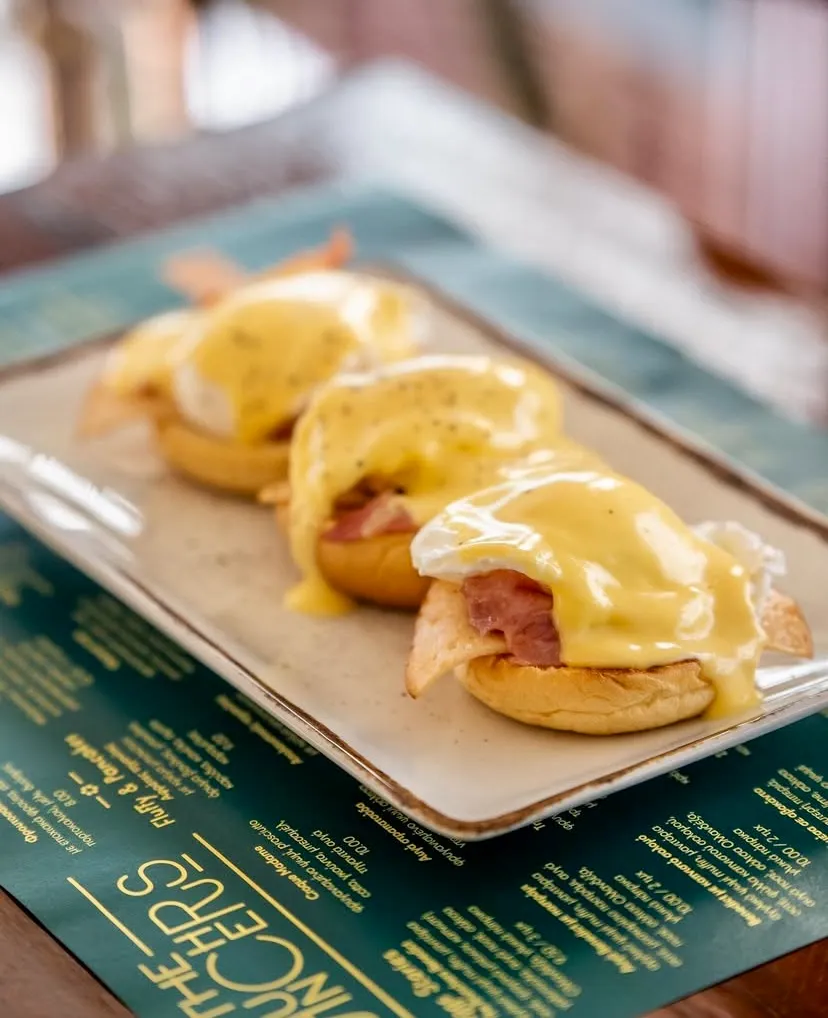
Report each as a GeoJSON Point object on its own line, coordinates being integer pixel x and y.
{"type": "Point", "coordinates": [507, 602]}
{"type": "Point", "coordinates": [380, 515]}
{"type": "Point", "coordinates": [444, 639]}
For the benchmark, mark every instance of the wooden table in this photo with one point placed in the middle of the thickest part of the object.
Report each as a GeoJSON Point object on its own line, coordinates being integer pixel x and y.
{"type": "Point", "coordinates": [521, 191]}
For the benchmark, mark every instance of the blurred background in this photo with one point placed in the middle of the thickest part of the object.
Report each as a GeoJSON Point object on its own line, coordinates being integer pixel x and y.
{"type": "Point", "coordinates": [721, 105]}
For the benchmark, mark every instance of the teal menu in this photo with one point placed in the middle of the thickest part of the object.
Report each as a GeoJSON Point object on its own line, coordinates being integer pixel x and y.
{"type": "Point", "coordinates": [203, 861]}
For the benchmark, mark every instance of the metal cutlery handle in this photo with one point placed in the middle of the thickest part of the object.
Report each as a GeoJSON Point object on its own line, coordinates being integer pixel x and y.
{"type": "Point", "coordinates": [32, 475]}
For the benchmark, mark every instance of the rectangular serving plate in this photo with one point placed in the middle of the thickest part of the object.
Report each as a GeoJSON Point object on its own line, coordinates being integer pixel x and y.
{"type": "Point", "coordinates": [211, 571]}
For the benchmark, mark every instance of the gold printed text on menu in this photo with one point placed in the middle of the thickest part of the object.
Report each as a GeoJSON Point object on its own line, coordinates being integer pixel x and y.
{"type": "Point", "coordinates": [207, 934]}
{"type": "Point", "coordinates": [145, 770]}
{"type": "Point", "coordinates": [40, 815]}
{"type": "Point", "coordinates": [150, 765]}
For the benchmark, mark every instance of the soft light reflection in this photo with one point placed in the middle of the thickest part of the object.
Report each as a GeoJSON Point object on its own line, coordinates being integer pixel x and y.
{"type": "Point", "coordinates": [28, 149]}
{"type": "Point", "coordinates": [13, 452]}
{"type": "Point", "coordinates": [107, 506]}
{"type": "Point", "coordinates": [245, 65]}
{"type": "Point", "coordinates": [58, 514]}
{"type": "Point", "coordinates": [67, 522]}
{"type": "Point", "coordinates": [698, 617]}
{"type": "Point", "coordinates": [598, 579]}
{"type": "Point", "coordinates": [678, 559]}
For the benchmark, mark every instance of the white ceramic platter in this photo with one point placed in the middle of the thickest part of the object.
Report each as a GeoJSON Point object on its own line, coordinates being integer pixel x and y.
{"type": "Point", "coordinates": [211, 573]}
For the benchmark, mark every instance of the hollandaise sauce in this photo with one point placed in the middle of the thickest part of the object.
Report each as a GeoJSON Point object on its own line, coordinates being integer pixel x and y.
{"type": "Point", "coordinates": [633, 586]}
{"type": "Point", "coordinates": [143, 361]}
{"type": "Point", "coordinates": [430, 430]}
{"type": "Point", "coordinates": [251, 366]}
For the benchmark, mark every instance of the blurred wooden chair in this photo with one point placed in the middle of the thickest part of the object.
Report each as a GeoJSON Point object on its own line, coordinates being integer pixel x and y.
{"type": "Point", "coordinates": [89, 47]}
{"type": "Point", "coordinates": [722, 105]}
{"type": "Point", "coordinates": [71, 59]}
{"type": "Point", "coordinates": [117, 67]}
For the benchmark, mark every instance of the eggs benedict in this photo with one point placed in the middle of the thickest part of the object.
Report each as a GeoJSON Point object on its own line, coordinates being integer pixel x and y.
{"type": "Point", "coordinates": [136, 378]}
{"type": "Point", "coordinates": [376, 455]}
{"type": "Point", "coordinates": [574, 599]}
{"type": "Point", "coordinates": [224, 384]}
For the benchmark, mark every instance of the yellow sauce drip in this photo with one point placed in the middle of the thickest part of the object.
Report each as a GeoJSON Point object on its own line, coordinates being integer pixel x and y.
{"type": "Point", "coordinates": [144, 359]}
{"type": "Point", "coordinates": [436, 427]}
{"type": "Point", "coordinates": [314, 597]}
{"type": "Point", "coordinates": [270, 344]}
{"type": "Point", "coordinates": [633, 586]}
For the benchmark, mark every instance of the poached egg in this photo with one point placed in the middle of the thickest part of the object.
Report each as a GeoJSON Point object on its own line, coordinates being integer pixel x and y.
{"type": "Point", "coordinates": [143, 362]}
{"type": "Point", "coordinates": [245, 367]}
{"type": "Point", "coordinates": [633, 586]}
{"type": "Point", "coordinates": [428, 430]}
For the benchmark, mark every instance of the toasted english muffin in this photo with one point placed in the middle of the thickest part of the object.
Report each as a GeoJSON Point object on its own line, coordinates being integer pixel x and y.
{"type": "Point", "coordinates": [376, 570]}
{"type": "Point", "coordinates": [593, 701]}
{"type": "Point", "coordinates": [142, 388]}
{"type": "Point", "coordinates": [220, 463]}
